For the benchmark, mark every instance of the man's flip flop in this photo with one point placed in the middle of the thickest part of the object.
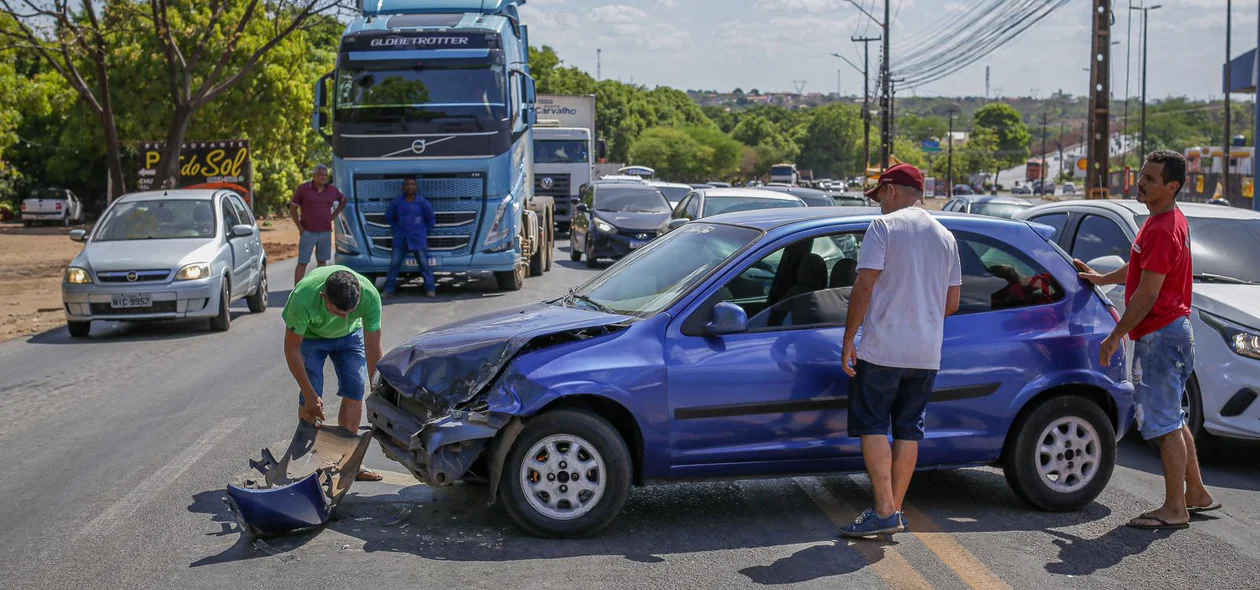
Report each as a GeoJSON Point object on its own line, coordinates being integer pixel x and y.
{"type": "Point", "coordinates": [368, 475]}
{"type": "Point", "coordinates": [1161, 524]}
{"type": "Point", "coordinates": [1202, 509]}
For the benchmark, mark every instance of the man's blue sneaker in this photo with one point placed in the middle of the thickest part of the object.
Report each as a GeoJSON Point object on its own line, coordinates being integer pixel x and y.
{"type": "Point", "coordinates": [869, 524]}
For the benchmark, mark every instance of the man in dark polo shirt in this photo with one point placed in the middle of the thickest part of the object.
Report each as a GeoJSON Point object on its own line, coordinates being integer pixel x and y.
{"type": "Point", "coordinates": [1157, 292]}
{"type": "Point", "coordinates": [313, 208]}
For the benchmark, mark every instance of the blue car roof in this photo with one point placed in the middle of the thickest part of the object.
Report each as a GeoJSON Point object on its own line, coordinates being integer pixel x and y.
{"type": "Point", "coordinates": [769, 219]}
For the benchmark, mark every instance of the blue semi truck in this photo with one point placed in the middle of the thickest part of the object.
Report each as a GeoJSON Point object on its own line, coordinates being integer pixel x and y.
{"type": "Point", "coordinates": [440, 90]}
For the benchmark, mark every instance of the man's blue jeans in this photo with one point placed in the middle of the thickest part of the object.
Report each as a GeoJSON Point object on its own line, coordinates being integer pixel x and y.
{"type": "Point", "coordinates": [396, 259]}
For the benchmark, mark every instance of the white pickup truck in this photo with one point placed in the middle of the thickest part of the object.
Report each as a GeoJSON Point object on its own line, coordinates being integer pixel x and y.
{"type": "Point", "coordinates": [58, 205]}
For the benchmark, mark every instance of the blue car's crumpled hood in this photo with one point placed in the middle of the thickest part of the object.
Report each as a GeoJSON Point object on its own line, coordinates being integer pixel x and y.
{"type": "Point", "coordinates": [448, 366]}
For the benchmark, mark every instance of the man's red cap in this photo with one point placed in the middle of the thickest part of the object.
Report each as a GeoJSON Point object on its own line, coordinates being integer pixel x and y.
{"type": "Point", "coordinates": [902, 174]}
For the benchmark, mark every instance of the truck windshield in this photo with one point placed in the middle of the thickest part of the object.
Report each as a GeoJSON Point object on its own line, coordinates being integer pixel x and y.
{"type": "Point", "coordinates": [560, 151]}
{"type": "Point", "coordinates": [389, 92]}
{"type": "Point", "coordinates": [781, 170]}
{"type": "Point", "coordinates": [651, 278]}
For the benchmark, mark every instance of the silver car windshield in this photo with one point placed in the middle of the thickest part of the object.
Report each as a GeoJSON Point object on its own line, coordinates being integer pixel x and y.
{"type": "Point", "coordinates": [649, 280]}
{"type": "Point", "coordinates": [157, 220]}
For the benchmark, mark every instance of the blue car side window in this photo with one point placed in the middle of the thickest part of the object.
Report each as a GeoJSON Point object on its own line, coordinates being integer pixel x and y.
{"type": "Point", "coordinates": [998, 276]}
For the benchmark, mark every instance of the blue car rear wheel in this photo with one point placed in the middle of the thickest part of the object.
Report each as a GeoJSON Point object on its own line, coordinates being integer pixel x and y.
{"type": "Point", "coordinates": [1061, 454]}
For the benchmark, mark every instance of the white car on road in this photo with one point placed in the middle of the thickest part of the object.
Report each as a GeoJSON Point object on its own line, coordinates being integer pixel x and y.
{"type": "Point", "coordinates": [166, 255]}
{"type": "Point", "coordinates": [1225, 242]}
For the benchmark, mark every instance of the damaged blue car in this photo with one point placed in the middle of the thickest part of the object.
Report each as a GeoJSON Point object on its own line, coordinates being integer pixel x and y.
{"type": "Point", "coordinates": [715, 352]}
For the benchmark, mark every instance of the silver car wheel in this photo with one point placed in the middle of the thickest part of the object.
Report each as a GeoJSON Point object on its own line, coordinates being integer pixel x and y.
{"type": "Point", "coordinates": [1068, 454]}
{"type": "Point", "coordinates": [563, 477]}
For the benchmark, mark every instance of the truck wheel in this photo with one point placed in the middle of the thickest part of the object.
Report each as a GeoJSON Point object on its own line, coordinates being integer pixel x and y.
{"type": "Point", "coordinates": [258, 301]}
{"type": "Point", "coordinates": [550, 251]}
{"type": "Point", "coordinates": [79, 329]}
{"type": "Point", "coordinates": [567, 475]}
{"type": "Point", "coordinates": [1062, 454]}
{"type": "Point", "coordinates": [537, 262]}
{"type": "Point", "coordinates": [512, 280]}
{"type": "Point", "coordinates": [223, 321]}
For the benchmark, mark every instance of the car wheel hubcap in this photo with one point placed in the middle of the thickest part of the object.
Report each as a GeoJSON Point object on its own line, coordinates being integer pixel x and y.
{"type": "Point", "coordinates": [1068, 454]}
{"type": "Point", "coordinates": [563, 477]}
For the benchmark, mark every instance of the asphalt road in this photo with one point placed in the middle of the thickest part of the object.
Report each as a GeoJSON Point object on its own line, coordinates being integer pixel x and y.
{"type": "Point", "coordinates": [117, 451]}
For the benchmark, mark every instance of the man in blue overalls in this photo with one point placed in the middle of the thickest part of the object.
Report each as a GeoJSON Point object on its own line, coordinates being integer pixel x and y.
{"type": "Point", "coordinates": [411, 218]}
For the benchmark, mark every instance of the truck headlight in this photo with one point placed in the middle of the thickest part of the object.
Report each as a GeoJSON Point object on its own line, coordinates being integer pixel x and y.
{"type": "Point", "coordinates": [1242, 340]}
{"type": "Point", "coordinates": [192, 272]}
{"type": "Point", "coordinates": [500, 228]}
{"type": "Point", "coordinates": [77, 276]}
{"type": "Point", "coordinates": [604, 227]}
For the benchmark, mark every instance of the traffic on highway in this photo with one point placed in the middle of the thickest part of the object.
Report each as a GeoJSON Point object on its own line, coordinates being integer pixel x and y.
{"type": "Point", "coordinates": [504, 323]}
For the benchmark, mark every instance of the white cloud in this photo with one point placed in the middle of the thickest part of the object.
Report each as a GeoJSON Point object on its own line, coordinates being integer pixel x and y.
{"type": "Point", "coordinates": [810, 6]}
{"type": "Point", "coordinates": [953, 7]}
{"type": "Point", "coordinates": [784, 36]}
{"type": "Point", "coordinates": [617, 14]}
{"type": "Point", "coordinates": [666, 4]}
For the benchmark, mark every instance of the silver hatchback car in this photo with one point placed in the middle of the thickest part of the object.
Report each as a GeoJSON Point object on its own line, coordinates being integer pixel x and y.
{"type": "Point", "coordinates": [165, 255]}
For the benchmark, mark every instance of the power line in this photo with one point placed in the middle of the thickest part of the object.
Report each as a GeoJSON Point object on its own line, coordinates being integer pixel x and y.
{"type": "Point", "coordinates": [972, 36]}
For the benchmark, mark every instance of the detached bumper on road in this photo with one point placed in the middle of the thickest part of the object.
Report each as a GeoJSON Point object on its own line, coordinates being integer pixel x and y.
{"type": "Point", "coordinates": [302, 489]}
{"type": "Point", "coordinates": [171, 301]}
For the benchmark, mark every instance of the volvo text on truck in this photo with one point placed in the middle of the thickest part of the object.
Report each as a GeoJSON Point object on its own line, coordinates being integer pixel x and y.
{"type": "Point", "coordinates": [440, 90]}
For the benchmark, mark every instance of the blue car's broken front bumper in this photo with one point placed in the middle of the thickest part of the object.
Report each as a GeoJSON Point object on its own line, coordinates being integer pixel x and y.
{"type": "Point", "coordinates": [300, 490]}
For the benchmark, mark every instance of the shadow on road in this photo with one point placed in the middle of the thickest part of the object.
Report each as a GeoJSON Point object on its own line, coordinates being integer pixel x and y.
{"type": "Point", "coordinates": [1224, 463]}
{"type": "Point", "coordinates": [454, 524]}
{"type": "Point", "coordinates": [155, 330]}
{"type": "Point", "coordinates": [1082, 557]}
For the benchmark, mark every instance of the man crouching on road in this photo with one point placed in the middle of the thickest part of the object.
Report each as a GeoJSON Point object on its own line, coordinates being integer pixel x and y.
{"type": "Point", "coordinates": [909, 279]}
{"type": "Point", "coordinates": [1157, 292]}
{"type": "Point", "coordinates": [333, 312]}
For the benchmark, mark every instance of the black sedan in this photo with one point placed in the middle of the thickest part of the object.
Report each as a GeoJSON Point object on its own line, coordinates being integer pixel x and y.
{"type": "Point", "coordinates": [614, 219]}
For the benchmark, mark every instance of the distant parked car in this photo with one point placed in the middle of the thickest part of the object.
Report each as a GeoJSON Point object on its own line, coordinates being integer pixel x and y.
{"type": "Point", "coordinates": [812, 196]}
{"type": "Point", "coordinates": [614, 219]}
{"type": "Point", "coordinates": [962, 189]}
{"type": "Point", "coordinates": [987, 205]}
{"type": "Point", "coordinates": [714, 201]}
{"type": "Point", "coordinates": [673, 191]}
{"type": "Point", "coordinates": [1069, 188]}
{"type": "Point", "coordinates": [1220, 398]}
{"type": "Point", "coordinates": [58, 205]}
{"type": "Point", "coordinates": [714, 353]}
{"type": "Point", "coordinates": [851, 200]}
{"type": "Point", "coordinates": [166, 255]}
{"type": "Point", "coordinates": [1022, 189]}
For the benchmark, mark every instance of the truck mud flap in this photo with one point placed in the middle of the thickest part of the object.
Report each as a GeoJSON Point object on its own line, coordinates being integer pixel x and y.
{"type": "Point", "coordinates": [303, 488]}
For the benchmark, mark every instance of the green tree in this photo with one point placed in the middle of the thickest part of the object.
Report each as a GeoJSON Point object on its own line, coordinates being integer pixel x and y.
{"type": "Point", "coordinates": [908, 151]}
{"type": "Point", "coordinates": [1012, 135]}
{"type": "Point", "coordinates": [722, 154]}
{"type": "Point", "coordinates": [979, 154]}
{"type": "Point", "coordinates": [672, 152]}
{"type": "Point", "coordinates": [920, 129]}
{"type": "Point", "coordinates": [832, 144]}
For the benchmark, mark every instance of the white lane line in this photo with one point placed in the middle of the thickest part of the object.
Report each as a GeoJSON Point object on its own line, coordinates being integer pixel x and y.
{"type": "Point", "coordinates": [157, 482]}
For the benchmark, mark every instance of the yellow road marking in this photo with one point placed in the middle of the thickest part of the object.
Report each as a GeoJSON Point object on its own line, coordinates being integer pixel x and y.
{"type": "Point", "coordinates": [886, 561]}
{"type": "Point", "coordinates": [951, 552]}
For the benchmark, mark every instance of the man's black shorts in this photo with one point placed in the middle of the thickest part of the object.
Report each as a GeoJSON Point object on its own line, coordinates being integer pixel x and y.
{"type": "Point", "coordinates": [881, 395]}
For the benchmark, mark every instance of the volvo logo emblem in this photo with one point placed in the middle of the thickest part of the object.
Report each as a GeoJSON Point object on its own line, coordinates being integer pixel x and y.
{"type": "Point", "coordinates": [547, 182]}
{"type": "Point", "coordinates": [641, 237]}
{"type": "Point", "coordinates": [418, 146]}
{"type": "Point", "coordinates": [132, 276]}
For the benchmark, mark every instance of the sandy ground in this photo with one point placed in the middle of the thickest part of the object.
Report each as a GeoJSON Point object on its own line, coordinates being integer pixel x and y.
{"type": "Point", "coordinates": [33, 260]}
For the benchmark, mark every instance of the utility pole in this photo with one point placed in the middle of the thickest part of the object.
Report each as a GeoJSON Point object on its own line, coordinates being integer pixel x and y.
{"type": "Point", "coordinates": [1142, 114]}
{"type": "Point", "coordinates": [886, 77]}
{"type": "Point", "coordinates": [1255, 130]}
{"type": "Point", "coordinates": [599, 62]}
{"type": "Point", "coordinates": [839, 93]}
{"type": "Point", "coordinates": [1099, 101]}
{"type": "Point", "coordinates": [866, 99]}
{"type": "Point", "coordinates": [951, 110]}
{"type": "Point", "coordinates": [1062, 131]}
{"type": "Point", "coordinates": [1041, 188]}
{"type": "Point", "coordinates": [1229, 27]}
{"type": "Point", "coordinates": [986, 82]}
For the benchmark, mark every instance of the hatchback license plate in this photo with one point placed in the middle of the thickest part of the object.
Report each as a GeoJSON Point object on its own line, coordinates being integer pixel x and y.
{"type": "Point", "coordinates": [130, 301]}
{"type": "Point", "coordinates": [636, 244]}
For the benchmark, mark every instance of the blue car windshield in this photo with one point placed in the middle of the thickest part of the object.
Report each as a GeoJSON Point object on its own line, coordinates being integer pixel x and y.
{"type": "Point", "coordinates": [649, 280]}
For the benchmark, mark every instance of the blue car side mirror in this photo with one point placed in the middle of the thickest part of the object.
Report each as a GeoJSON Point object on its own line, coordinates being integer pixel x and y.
{"type": "Point", "coordinates": [728, 318]}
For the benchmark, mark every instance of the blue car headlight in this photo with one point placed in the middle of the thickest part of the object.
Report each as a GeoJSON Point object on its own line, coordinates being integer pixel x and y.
{"type": "Point", "coordinates": [1242, 340]}
{"type": "Point", "coordinates": [604, 226]}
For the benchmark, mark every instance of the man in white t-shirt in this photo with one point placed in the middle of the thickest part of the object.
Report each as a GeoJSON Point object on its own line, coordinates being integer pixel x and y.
{"type": "Point", "coordinates": [909, 279]}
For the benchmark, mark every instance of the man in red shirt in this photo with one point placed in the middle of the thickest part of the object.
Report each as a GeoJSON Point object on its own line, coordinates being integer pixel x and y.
{"type": "Point", "coordinates": [1157, 294]}
{"type": "Point", "coordinates": [313, 208]}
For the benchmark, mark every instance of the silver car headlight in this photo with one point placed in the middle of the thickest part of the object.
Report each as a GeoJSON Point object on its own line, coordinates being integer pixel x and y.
{"type": "Point", "coordinates": [604, 227]}
{"type": "Point", "coordinates": [1242, 340]}
{"type": "Point", "coordinates": [192, 272]}
{"type": "Point", "coordinates": [77, 276]}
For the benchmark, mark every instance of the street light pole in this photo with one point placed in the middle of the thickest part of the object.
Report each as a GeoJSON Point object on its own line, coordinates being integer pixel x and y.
{"type": "Point", "coordinates": [1041, 188]}
{"type": "Point", "coordinates": [866, 98]}
{"type": "Point", "coordinates": [1229, 26]}
{"type": "Point", "coordinates": [886, 114]}
{"type": "Point", "coordinates": [949, 183]}
{"type": "Point", "coordinates": [1142, 116]}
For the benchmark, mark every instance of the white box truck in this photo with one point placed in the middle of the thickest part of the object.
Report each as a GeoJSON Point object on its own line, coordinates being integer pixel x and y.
{"type": "Point", "coordinates": [565, 150]}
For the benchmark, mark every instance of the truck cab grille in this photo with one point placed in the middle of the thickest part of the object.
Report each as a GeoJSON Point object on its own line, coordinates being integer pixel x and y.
{"type": "Point", "coordinates": [456, 201]}
{"type": "Point", "coordinates": [552, 185]}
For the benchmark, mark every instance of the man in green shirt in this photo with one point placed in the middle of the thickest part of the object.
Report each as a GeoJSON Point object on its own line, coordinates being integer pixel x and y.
{"type": "Point", "coordinates": [333, 313]}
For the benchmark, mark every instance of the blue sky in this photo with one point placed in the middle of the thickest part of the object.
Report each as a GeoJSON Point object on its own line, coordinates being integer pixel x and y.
{"type": "Point", "coordinates": [767, 44]}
